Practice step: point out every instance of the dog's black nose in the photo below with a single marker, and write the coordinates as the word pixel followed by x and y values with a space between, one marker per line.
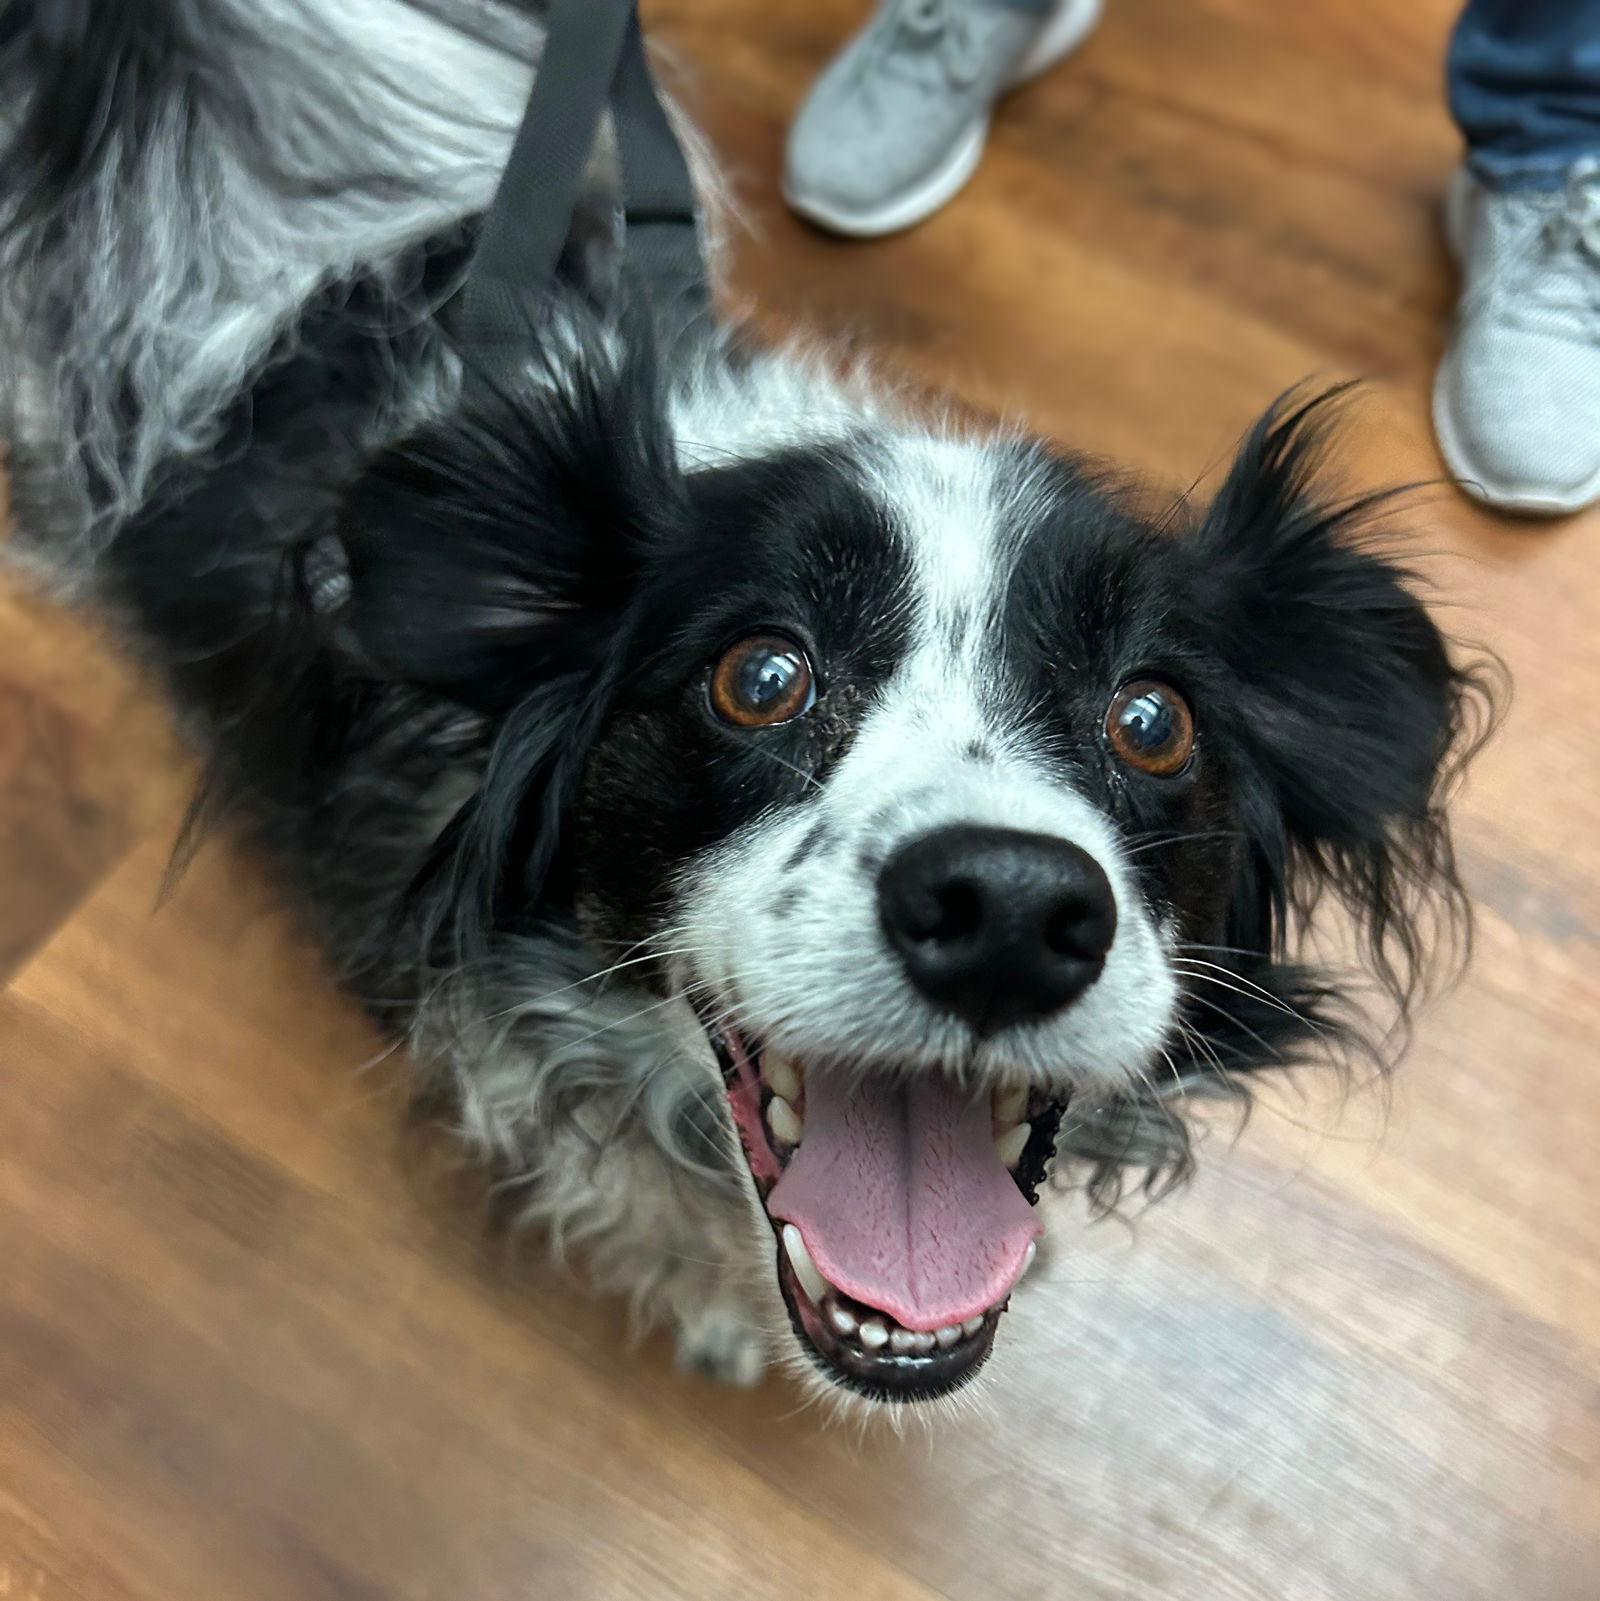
pixel 995 925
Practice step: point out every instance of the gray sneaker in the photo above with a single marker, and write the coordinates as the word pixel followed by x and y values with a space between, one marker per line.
pixel 896 124
pixel 1516 403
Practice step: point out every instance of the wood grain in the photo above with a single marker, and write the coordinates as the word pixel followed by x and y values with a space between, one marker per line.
pixel 253 1343
pixel 86 764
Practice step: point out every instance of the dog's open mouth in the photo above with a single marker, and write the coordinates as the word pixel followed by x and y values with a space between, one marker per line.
pixel 902 1207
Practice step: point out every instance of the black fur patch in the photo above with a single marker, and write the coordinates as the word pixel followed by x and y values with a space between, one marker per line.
pixel 785 903
pixel 793 543
pixel 811 842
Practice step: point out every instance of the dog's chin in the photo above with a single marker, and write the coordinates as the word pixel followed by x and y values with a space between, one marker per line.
pixel 897 1328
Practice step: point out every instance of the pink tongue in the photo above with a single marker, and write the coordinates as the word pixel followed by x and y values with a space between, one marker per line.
pixel 902 1199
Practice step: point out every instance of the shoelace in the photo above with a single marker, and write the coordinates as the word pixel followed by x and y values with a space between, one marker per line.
pixel 1556 265
pixel 942 28
pixel 1576 224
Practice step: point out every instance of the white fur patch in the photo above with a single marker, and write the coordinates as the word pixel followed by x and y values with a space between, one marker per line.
pixel 724 411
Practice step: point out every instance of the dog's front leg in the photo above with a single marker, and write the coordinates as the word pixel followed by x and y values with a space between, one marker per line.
pixel 681 1244
pixel 618 1159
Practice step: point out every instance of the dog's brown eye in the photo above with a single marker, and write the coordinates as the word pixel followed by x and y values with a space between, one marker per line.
pixel 1151 727
pixel 762 680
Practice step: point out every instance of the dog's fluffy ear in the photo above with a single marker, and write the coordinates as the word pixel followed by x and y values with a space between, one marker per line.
pixel 496 549
pixel 1343 692
pixel 492 559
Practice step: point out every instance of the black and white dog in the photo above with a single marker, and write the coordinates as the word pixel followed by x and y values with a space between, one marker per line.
pixel 780 825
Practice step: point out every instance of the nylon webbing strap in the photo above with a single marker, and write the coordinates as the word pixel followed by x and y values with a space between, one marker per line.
pixel 593 54
pixel 663 225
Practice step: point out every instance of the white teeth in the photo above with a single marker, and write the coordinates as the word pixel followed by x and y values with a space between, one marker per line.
pixel 873 1334
pixel 1011 1144
pixel 784 1121
pixel 1009 1105
pixel 1027 1261
pixel 879 1333
pixel 811 1281
pixel 779 1072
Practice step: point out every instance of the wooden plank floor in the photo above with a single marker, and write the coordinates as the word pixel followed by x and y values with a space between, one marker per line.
pixel 252 1345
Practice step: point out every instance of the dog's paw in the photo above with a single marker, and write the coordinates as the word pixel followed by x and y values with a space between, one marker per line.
pixel 721 1343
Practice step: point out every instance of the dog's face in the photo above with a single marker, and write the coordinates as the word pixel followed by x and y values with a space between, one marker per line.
pixel 951 796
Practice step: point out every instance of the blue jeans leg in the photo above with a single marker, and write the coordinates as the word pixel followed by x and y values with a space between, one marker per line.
pixel 1524 81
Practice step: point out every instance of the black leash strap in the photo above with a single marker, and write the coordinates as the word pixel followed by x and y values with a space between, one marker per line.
pixel 593 55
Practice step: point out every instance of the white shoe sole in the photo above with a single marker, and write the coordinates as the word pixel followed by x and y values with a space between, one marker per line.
pixel 1067 27
pixel 1469 478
